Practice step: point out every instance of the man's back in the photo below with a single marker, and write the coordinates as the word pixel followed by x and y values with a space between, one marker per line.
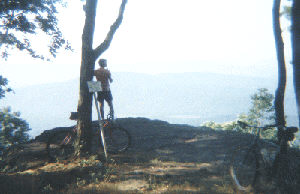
pixel 104 76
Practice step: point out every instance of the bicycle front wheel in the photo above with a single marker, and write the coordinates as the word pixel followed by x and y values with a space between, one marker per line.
pixel 244 168
pixel 60 145
pixel 117 139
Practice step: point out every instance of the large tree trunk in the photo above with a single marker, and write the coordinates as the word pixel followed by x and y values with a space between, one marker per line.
pixel 296 51
pixel 86 74
pixel 279 95
pixel 88 58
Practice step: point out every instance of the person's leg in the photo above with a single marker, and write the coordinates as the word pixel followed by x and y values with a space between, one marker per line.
pixel 109 100
pixel 111 108
pixel 100 98
pixel 102 110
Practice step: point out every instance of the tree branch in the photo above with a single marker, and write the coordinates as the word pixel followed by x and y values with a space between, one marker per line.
pixel 113 28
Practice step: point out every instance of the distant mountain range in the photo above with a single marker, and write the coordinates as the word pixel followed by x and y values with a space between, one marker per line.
pixel 186 98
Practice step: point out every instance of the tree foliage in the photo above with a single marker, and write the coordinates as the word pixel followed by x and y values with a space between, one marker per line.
pixel 22 18
pixel 261 112
pixel 4 87
pixel 287 12
pixel 13 129
pixel 21 21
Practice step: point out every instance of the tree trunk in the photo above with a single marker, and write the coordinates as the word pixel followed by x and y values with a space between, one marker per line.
pixel 86 74
pixel 296 51
pixel 279 95
pixel 88 58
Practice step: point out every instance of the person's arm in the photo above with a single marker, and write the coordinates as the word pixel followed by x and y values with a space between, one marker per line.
pixel 96 74
pixel 109 77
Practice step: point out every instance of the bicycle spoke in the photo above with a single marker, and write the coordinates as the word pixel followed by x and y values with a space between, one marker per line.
pixel 243 168
pixel 117 139
pixel 60 145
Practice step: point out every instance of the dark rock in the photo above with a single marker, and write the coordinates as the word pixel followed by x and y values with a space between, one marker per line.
pixel 43 137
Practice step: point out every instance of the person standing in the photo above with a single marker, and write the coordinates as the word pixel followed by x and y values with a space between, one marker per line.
pixel 104 76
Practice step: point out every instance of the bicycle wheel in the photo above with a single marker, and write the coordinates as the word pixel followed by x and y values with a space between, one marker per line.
pixel 60 145
pixel 117 139
pixel 244 168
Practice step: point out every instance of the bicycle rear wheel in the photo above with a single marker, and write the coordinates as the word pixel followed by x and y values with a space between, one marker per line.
pixel 60 145
pixel 244 168
pixel 117 139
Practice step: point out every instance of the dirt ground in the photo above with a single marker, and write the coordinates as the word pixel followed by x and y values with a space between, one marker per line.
pixel 163 158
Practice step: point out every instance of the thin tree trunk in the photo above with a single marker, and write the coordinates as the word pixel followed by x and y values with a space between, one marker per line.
pixel 279 95
pixel 88 58
pixel 296 51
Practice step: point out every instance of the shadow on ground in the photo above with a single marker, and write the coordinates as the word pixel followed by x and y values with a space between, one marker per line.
pixel 163 158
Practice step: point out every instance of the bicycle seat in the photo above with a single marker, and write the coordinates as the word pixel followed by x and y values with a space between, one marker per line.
pixel 290 133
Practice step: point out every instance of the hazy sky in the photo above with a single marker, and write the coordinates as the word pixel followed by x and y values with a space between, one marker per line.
pixel 158 36
pixel 162 36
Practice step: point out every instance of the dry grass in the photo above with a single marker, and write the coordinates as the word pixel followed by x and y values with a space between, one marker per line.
pixel 91 176
pixel 167 159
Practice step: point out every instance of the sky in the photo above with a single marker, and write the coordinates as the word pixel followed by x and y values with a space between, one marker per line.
pixel 169 36
pixel 163 36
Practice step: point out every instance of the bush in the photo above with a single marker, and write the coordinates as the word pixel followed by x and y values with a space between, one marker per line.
pixel 261 112
pixel 13 129
pixel 3 87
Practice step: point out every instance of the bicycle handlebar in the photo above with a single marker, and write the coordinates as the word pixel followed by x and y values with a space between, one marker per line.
pixel 288 130
pixel 244 125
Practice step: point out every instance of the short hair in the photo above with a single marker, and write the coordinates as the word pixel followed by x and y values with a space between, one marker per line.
pixel 103 62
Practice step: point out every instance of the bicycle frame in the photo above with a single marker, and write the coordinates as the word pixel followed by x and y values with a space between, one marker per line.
pixel 69 137
pixel 280 163
pixel 63 139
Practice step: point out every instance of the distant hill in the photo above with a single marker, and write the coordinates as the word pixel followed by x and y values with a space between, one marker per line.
pixel 187 98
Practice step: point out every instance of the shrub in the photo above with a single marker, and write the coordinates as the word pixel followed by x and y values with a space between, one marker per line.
pixel 261 112
pixel 13 129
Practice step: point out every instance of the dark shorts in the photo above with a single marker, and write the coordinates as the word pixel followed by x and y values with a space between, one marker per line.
pixel 104 95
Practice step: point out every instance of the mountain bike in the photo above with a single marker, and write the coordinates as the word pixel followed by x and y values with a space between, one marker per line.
pixel 249 163
pixel 61 144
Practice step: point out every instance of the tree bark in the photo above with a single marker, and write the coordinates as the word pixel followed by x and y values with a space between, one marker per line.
pixel 86 74
pixel 296 51
pixel 279 95
pixel 88 58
